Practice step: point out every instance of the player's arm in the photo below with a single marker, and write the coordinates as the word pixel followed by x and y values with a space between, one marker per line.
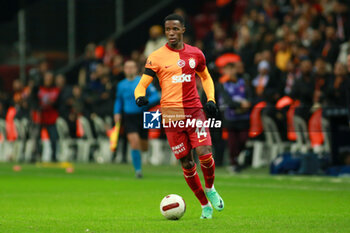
pixel 118 104
pixel 208 84
pixel 140 90
pixel 151 69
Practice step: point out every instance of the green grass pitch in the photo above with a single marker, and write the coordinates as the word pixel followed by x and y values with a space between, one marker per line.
pixel 107 198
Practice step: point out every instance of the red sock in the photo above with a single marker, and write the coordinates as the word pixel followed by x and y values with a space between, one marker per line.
pixel 192 179
pixel 208 168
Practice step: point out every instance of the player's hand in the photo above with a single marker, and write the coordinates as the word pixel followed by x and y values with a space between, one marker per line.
pixel 117 117
pixel 245 104
pixel 211 109
pixel 141 101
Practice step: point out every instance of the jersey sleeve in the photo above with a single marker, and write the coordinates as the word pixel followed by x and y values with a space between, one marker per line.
pixel 152 63
pixel 141 87
pixel 201 62
pixel 118 104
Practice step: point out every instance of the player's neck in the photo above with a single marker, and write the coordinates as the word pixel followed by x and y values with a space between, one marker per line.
pixel 130 78
pixel 178 46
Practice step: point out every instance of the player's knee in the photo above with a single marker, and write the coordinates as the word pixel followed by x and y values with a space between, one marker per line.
pixel 134 144
pixel 187 164
pixel 203 150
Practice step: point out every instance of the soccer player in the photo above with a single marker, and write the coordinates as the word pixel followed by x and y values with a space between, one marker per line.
pixel 125 103
pixel 176 64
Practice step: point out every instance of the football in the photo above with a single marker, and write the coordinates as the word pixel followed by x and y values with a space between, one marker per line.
pixel 172 207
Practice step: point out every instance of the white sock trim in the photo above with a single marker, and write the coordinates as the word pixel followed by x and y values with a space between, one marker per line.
pixel 210 189
pixel 206 205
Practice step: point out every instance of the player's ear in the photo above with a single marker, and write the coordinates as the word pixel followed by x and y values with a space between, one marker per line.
pixel 183 29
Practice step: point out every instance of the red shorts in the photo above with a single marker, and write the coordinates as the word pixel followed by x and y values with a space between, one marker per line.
pixel 182 139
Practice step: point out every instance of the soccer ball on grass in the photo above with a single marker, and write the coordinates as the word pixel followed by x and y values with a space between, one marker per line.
pixel 172 207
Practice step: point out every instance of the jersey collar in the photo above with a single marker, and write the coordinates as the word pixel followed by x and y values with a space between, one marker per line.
pixel 175 50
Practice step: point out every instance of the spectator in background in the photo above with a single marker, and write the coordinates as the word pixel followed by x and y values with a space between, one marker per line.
pixel 303 89
pixel 342 19
pixel 283 55
pixel 214 42
pixel 234 99
pixel 78 105
pixel 110 53
pixel 89 65
pixel 321 79
pixel 3 101
pixel 65 97
pixel 20 99
pixel 48 95
pixel 117 69
pixel 241 74
pixel 104 102
pixel 344 48
pixel 261 81
pixel 65 102
pixel 95 88
pixel 246 49
pixel 36 74
pixel 337 88
pixel 288 79
pixel 317 45
pixel 156 40
pixel 2 110
pixel 330 49
pixel 95 77
pixel 76 108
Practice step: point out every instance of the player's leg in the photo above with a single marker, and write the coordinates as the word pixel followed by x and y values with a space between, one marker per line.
pixel 180 145
pixel 201 141
pixel 134 141
pixel 53 134
pixel 189 168
pixel 208 168
pixel 144 144
pixel 207 165
pixel 143 133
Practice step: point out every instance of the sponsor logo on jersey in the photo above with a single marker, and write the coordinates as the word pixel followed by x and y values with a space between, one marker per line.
pixel 181 63
pixel 192 63
pixel 181 78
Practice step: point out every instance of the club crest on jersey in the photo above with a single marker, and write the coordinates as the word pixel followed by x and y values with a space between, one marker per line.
pixel 192 63
pixel 181 63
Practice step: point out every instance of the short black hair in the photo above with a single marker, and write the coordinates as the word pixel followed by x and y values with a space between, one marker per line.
pixel 175 17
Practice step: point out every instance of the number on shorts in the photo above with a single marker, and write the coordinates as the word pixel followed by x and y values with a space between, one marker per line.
pixel 201 132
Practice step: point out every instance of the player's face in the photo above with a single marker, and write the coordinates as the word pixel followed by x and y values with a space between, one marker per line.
pixel 130 69
pixel 174 31
pixel 48 79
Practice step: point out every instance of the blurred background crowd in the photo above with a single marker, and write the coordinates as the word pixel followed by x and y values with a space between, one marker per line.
pixel 284 61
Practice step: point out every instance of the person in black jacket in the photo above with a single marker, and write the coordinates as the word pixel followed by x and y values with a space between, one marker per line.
pixel 303 89
pixel 234 100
